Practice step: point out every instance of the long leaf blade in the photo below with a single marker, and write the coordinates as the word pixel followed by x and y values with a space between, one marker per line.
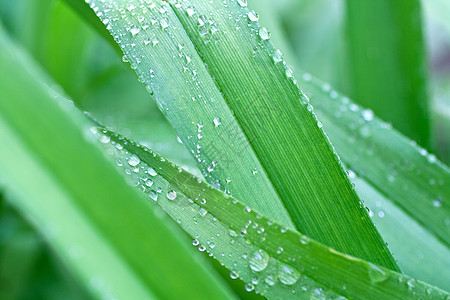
pixel 281 154
pixel 45 174
pixel 275 261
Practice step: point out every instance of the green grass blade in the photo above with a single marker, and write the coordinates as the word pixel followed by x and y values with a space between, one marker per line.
pixel 413 178
pixel 419 251
pixel 396 173
pixel 275 261
pixel 241 115
pixel 71 192
pixel 387 58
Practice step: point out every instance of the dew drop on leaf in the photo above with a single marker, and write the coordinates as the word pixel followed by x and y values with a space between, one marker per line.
pixel 277 56
pixel 164 23
pixel 134 31
pixel 249 287
pixel 287 275
pixel 242 3
pixel 133 161
pixel 259 260
pixel 367 115
pixel 253 16
pixel 151 172
pixel 233 275
pixel 376 274
pixel 270 280
pixel 217 121
pixel 172 195
pixel 190 11
pixel 264 34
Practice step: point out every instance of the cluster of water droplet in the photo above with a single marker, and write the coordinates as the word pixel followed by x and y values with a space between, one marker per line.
pixel 259 269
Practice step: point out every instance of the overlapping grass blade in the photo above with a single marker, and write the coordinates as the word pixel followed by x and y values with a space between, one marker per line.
pixel 402 183
pixel 241 114
pixel 388 63
pixel 275 261
pixel 349 127
pixel 73 195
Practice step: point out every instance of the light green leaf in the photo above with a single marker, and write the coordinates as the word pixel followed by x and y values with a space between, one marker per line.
pixel 275 261
pixel 403 184
pixel 65 186
pixel 231 99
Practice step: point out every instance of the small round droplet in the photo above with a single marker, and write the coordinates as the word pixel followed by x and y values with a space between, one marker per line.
pixel 201 21
pixel 234 275
pixel 151 172
pixel 249 287
pixel 277 56
pixel 190 11
pixel 288 275
pixel 134 31
pixel 270 280
pixel 367 115
pixel 202 212
pixel 217 121
pixel 253 16
pixel 376 274
pixel 264 34
pixel 164 23
pixel 105 139
pixel 133 161
pixel 171 195
pixel 242 3
pixel 259 260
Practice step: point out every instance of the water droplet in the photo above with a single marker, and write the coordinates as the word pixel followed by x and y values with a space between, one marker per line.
pixel 410 283
pixel 202 212
pixel 277 56
pixel 134 31
pixel 195 242
pixel 259 260
pixel 249 287
pixel 289 72
pixel 242 3
pixel 171 195
pixel 151 172
pixel 217 121
pixel 153 195
pixel 287 274
pixel 253 16
pixel 367 115
pixel 201 20
pixel 376 274
pixel 190 11
pixel 270 280
pixel 133 161
pixel 105 139
pixel 234 275
pixel 264 34
pixel 437 203
pixel 149 183
pixel 164 23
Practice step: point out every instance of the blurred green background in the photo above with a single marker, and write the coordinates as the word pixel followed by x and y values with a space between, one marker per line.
pixel 311 33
